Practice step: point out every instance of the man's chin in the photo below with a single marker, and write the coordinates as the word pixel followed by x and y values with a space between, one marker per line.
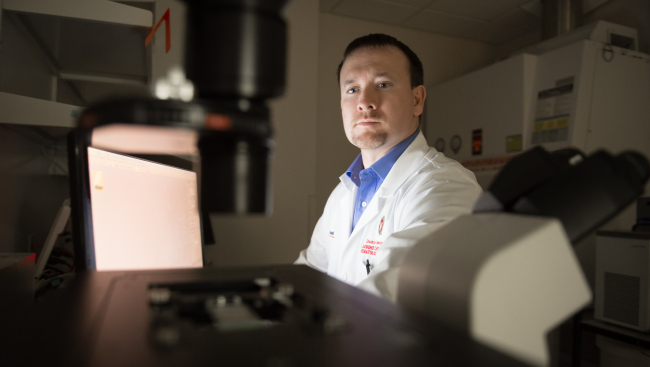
pixel 369 140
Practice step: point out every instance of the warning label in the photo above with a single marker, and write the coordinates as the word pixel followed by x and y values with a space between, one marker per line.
pixel 553 115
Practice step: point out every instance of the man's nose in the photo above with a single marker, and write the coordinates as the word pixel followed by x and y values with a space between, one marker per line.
pixel 367 100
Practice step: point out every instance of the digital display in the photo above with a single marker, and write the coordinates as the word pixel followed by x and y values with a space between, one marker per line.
pixel 144 214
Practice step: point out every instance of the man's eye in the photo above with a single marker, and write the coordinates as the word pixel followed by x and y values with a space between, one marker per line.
pixel 351 90
pixel 383 85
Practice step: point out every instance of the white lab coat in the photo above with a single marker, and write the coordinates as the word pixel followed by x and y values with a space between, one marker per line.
pixel 423 191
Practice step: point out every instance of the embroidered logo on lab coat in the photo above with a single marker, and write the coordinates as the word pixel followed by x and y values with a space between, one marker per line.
pixel 332 234
pixel 370 247
pixel 381 225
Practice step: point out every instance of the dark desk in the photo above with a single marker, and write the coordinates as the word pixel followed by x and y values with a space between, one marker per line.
pixel 105 319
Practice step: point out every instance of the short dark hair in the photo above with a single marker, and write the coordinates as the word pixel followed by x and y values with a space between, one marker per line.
pixel 378 40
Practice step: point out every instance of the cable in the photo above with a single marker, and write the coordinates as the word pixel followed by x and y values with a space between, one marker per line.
pixel 62 252
pixel 47 274
pixel 56 261
pixel 57 281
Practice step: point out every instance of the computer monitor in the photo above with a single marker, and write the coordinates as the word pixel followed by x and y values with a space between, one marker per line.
pixel 137 214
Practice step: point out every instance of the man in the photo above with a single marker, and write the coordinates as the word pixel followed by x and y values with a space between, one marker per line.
pixel 398 190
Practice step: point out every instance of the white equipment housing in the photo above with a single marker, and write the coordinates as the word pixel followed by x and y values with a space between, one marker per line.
pixel 622 274
pixel 573 91
pixel 505 279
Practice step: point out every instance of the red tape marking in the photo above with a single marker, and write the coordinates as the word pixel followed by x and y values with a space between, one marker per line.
pixel 168 37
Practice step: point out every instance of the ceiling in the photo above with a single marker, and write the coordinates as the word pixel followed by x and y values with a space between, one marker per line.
pixel 492 21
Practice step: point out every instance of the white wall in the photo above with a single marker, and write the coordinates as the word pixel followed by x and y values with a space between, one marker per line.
pixel 443 58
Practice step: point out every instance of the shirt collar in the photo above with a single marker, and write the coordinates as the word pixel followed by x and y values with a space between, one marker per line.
pixel 383 166
pixel 354 170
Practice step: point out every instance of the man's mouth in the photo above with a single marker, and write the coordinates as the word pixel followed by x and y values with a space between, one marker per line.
pixel 367 122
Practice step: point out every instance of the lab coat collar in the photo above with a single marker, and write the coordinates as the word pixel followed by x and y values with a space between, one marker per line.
pixel 405 166
pixel 347 182
pixel 407 162
pixel 355 169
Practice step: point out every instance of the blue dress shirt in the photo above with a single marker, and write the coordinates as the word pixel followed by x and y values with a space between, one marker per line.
pixel 368 180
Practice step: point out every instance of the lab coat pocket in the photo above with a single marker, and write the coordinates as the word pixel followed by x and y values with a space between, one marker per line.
pixel 374 235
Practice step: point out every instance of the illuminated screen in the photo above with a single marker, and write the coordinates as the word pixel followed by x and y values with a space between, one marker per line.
pixel 144 214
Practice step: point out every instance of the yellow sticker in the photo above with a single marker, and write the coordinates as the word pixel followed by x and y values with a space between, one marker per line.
pixel 98 180
pixel 551 124
pixel 513 143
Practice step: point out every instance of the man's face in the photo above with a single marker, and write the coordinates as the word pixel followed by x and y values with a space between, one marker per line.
pixel 379 107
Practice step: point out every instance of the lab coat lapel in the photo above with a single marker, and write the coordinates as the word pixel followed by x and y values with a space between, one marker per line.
pixel 346 206
pixel 346 210
pixel 404 166
pixel 370 212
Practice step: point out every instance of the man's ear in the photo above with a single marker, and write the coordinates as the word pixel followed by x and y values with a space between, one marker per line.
pixel 419 95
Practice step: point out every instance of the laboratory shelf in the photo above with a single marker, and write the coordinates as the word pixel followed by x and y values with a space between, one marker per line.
pixel 16 109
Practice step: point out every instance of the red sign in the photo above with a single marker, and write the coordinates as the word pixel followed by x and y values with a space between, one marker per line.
pixel 477 142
